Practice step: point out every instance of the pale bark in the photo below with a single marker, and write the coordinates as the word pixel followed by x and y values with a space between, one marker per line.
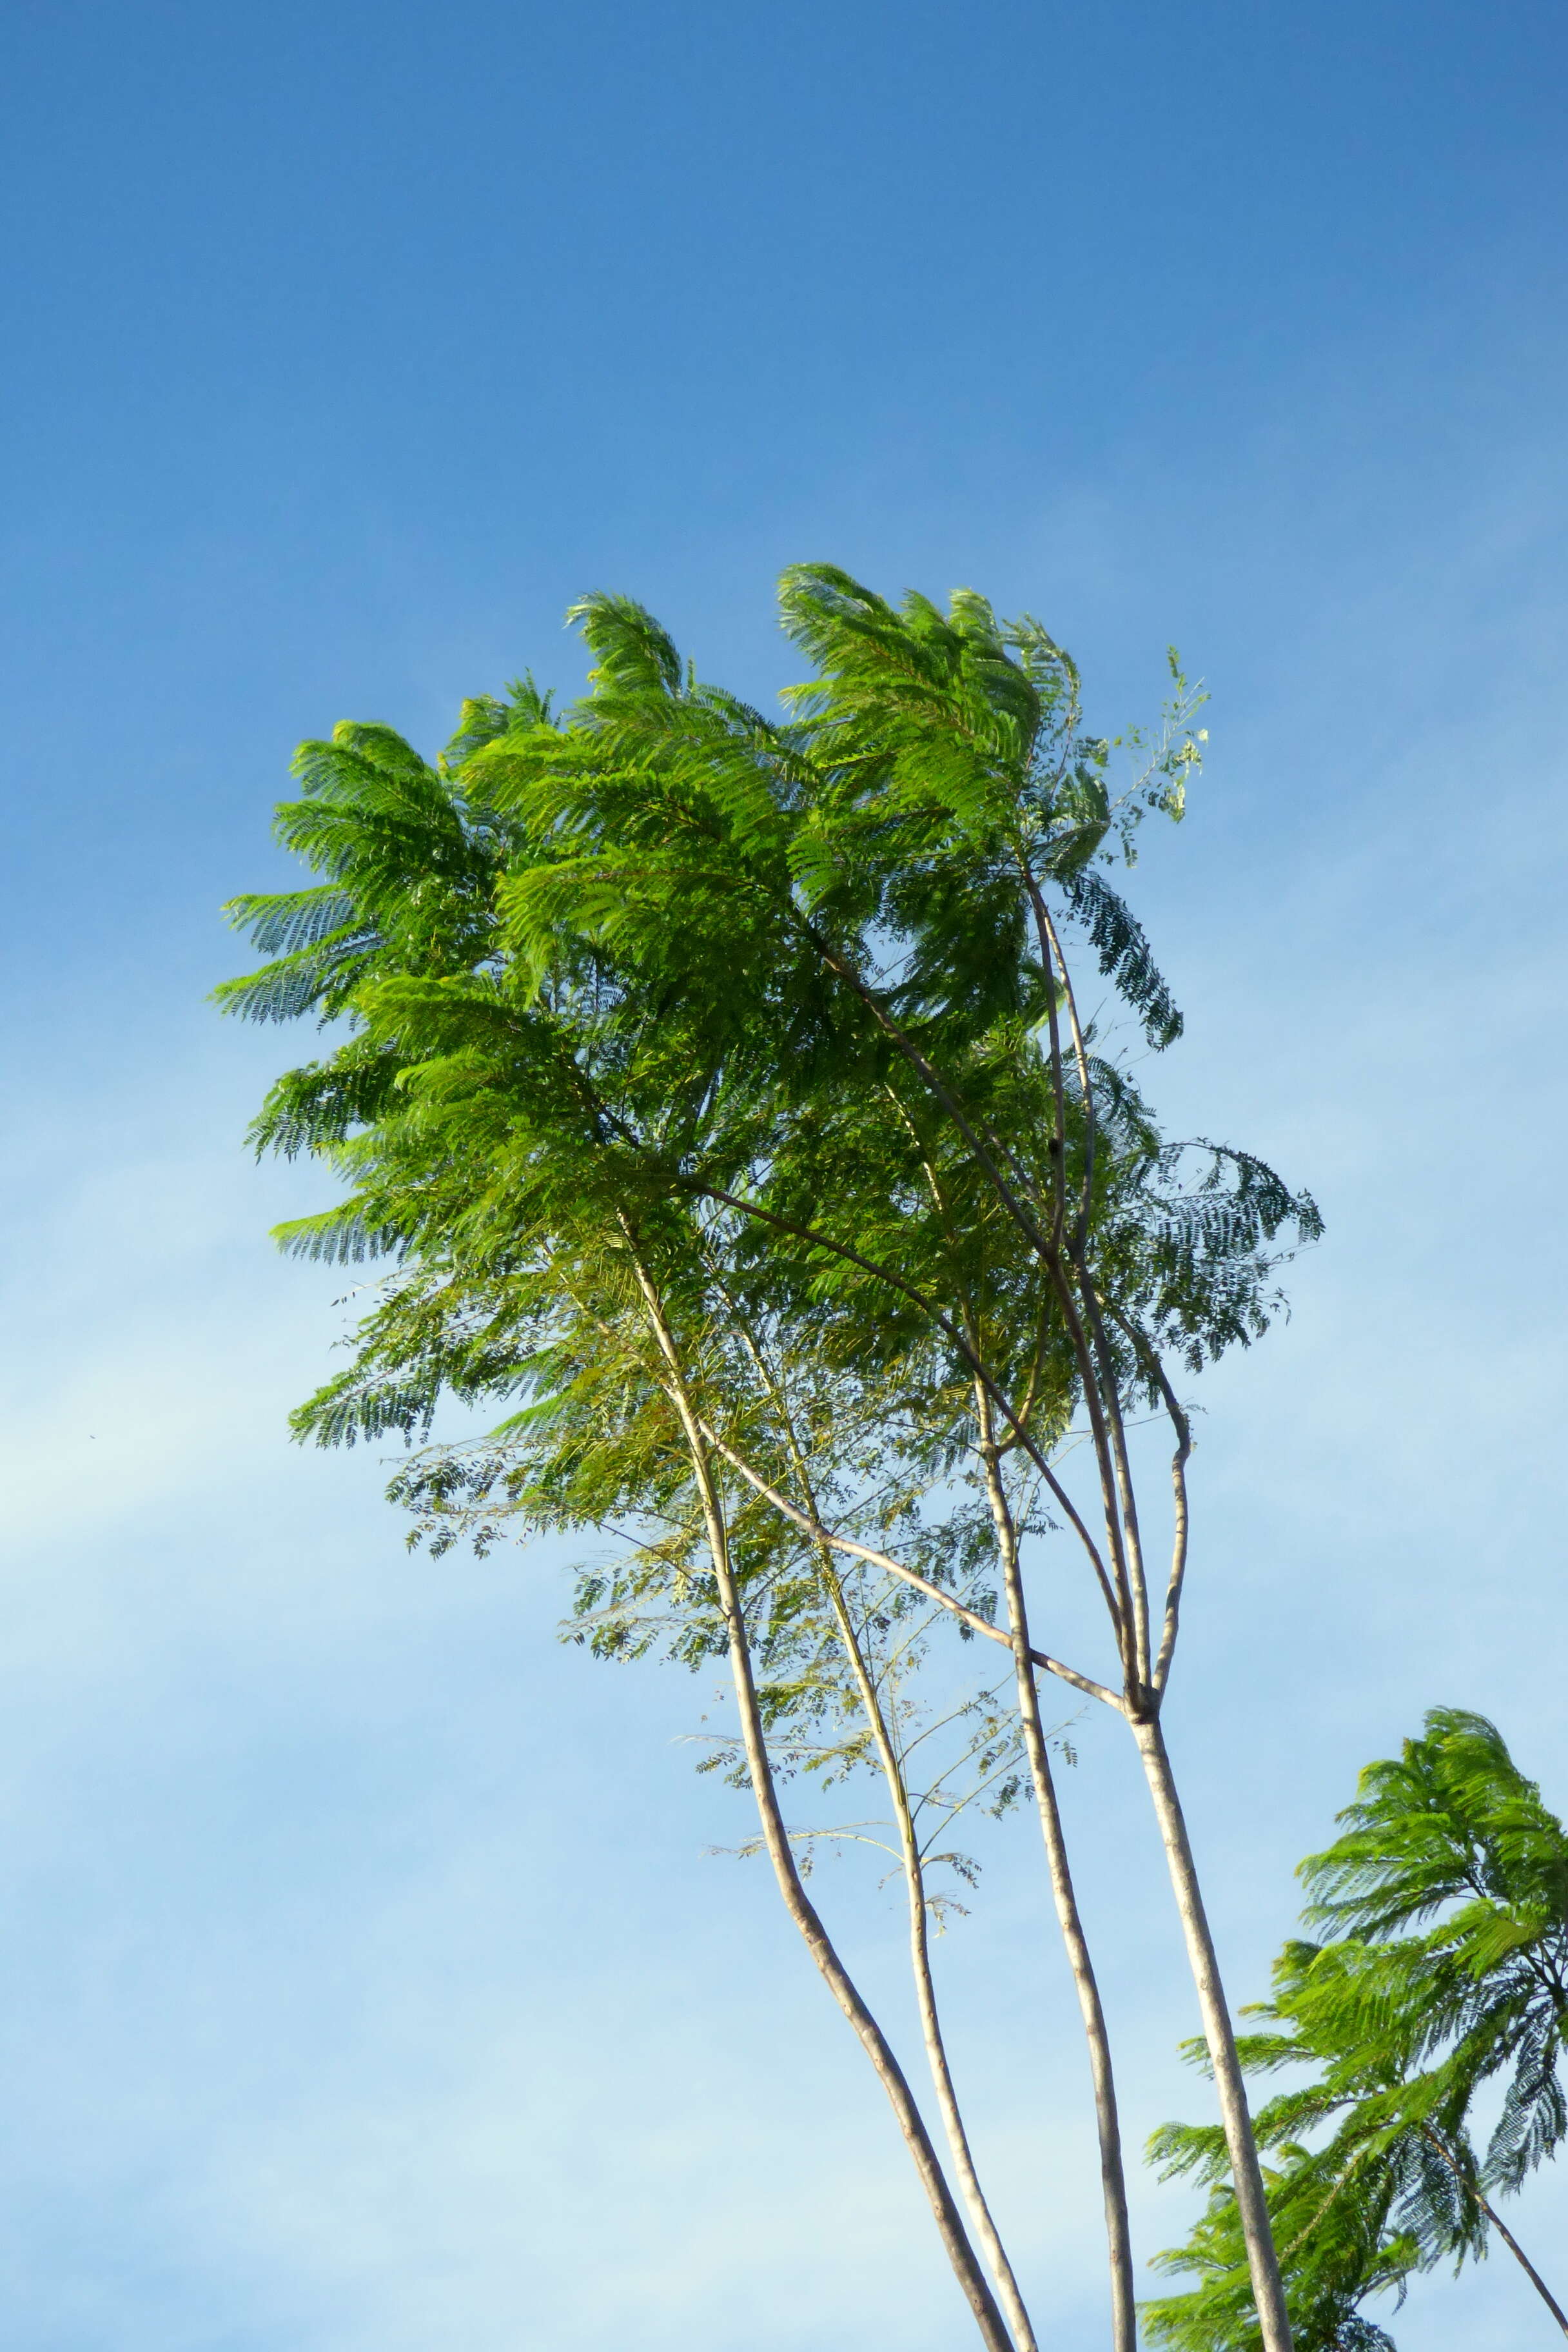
pixel 1220 2036
pixel 1109 1402
pixel 1112 2175
pixel 955 2239
pixel 1180 1512
pixel 1522 2259
pixel 980 2215
pixel 894 1777
pixel 1145 1689
pixel 813 1526
pixel 1504 2233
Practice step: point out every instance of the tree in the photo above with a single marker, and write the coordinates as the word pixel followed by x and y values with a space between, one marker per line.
pixel 1401 2033
pixel 525 1268
pixel 785 1011
pixel 861 906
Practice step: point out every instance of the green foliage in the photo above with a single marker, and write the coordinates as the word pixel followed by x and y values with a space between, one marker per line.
pixel 1398 2033
pixel 411 859
pixel 1335 2229
pixel 1454 1834
pixel 662 982
pixel 713 1088
pixel 644 981
pixel 649 957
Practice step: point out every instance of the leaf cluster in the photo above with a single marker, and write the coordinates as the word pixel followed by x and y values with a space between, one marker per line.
pixel 660 991
pixel 1449 1884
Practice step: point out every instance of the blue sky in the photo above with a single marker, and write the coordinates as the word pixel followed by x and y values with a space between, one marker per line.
pixel 365 1976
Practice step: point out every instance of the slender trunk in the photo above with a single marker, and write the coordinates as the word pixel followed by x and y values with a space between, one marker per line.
pixel 1522 2259
pixel 1142 1700
pixel 1126 1494
pixel 985 2228
pixel 775 1837
pixel 892 1768
pixel 1251 2204
pixel 955 2239
pixel 1113 2174
pixel 1504 2233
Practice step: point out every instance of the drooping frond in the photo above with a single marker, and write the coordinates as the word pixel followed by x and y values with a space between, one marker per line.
pixel 318 978
pixel 632 654
pixel 345 1235
pixel 280 922
pixel 322 1103
pixel 1125 958
pixel 355 1408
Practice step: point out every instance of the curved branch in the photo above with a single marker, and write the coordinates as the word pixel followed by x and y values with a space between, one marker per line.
pixel 944 1324
pixel 1150 1359
pixel 821 1535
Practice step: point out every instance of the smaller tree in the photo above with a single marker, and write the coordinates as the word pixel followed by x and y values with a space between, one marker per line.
pixel 1402 2031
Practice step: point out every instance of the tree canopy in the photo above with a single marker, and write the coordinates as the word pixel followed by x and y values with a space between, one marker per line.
pixel 716 1090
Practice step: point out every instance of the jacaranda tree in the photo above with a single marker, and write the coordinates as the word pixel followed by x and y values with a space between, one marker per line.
pixel 719 1086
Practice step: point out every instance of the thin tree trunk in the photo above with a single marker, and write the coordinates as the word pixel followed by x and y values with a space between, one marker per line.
pixel 1504 2233
pixel 985 2228
pixel 955 2239
pixel 891 1762
pixel 1142 1704
pixel 1522 2259
pixel 1251 2204
pixel 1112 2173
